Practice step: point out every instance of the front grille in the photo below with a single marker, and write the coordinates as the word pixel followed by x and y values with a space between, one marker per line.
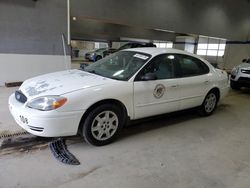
pixel 38 129
pixel 20 96
pixel 244 80
pixel 245 71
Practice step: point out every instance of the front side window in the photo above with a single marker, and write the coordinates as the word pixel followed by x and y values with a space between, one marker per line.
pixel 120 66
pixel 162 66
pixel 191 66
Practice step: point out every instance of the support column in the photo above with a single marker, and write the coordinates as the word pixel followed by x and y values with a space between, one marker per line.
pixel 186 43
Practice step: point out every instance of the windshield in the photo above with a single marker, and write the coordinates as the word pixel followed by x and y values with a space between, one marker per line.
pixel 120 66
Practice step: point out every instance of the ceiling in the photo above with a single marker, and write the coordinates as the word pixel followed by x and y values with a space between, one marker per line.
pixel 113 19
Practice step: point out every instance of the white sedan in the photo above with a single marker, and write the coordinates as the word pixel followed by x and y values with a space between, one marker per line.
pixel 130 84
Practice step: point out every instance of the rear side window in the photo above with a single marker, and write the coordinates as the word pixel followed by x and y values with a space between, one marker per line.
pixel 191 66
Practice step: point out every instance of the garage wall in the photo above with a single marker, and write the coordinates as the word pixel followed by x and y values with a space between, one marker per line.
pixel 31 38
pixel 235 52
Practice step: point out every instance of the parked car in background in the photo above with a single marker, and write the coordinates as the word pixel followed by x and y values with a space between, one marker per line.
pixel 127 85
pixel 130 45
pixel 96 55
pixel 240 75
pixel 109 51
pixel 136 45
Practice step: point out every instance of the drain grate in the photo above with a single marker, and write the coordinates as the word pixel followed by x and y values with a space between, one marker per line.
pixel 6 134
pixel 11 142
pixel 61 153
pixel 22 144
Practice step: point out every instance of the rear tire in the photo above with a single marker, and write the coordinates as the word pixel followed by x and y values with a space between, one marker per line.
pixel 209 104
pixel 103 124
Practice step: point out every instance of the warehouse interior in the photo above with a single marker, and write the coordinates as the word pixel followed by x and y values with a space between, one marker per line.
pixel 179 149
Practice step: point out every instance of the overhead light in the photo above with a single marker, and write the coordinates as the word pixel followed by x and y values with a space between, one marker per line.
pixel 170 57
pixel 74 18
pixel 164 30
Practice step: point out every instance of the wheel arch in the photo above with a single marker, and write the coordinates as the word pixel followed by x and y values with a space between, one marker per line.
pixel 216 90
pixel 99 56
pixel 93 106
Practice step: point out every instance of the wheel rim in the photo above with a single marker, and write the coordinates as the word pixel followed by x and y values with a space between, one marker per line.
pixel 104 125
pixel 210 102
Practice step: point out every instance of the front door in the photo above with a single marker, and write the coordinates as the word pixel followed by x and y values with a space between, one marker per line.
pixel 159 95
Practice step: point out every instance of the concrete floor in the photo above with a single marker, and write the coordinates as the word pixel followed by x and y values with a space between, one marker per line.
pixel 180 150
pixel 7 123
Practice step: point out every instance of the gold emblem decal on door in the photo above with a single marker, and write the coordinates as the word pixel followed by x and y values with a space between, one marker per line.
pixel 159 91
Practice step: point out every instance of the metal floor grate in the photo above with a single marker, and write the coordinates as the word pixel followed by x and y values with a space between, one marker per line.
pixel 8 134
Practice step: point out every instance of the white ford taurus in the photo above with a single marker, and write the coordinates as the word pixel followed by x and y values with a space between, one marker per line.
pixel 130 84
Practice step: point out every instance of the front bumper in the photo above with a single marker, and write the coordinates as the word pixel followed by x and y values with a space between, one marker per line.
pixel 45 123
pixel 92 57
pixel 87 56
pixel 243 81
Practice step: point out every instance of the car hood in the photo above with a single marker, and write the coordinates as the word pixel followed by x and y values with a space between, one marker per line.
pixel 59 83
pixel 244 65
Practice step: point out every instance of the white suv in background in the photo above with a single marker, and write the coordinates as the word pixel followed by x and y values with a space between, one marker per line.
pixel 240 75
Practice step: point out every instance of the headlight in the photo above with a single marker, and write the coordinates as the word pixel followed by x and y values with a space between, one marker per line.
pixel 47 103
pixel 92 54
pixel 235 71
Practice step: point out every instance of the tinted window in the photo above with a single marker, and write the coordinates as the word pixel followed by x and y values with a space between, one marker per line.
pixel 162 66
pixel 190 66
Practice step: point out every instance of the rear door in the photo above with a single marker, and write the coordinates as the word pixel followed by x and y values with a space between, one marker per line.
pixel 194 81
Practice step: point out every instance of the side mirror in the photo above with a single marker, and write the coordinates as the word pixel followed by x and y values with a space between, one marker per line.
pixel 244 60
pixel 149 76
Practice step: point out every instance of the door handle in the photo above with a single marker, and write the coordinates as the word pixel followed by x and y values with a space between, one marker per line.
pixel 174 86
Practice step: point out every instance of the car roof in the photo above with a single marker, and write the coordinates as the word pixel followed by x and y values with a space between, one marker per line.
pixel 137 42
pixel 157 51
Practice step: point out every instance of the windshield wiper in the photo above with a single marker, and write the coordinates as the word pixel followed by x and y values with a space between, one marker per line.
pixel 90 71
pixel 93 72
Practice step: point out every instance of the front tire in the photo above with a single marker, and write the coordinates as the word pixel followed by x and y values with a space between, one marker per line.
pixel 209 104
pixel 102 124
pixel 234 85
pixel 98 58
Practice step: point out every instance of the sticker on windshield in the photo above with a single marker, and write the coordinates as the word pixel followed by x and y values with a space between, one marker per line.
pixel 144 57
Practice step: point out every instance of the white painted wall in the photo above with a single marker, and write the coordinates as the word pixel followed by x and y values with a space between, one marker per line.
pixel 19 67
pixel 234 53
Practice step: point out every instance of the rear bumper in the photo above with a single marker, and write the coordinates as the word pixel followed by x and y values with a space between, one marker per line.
pixel 224 91
pixel 45 123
